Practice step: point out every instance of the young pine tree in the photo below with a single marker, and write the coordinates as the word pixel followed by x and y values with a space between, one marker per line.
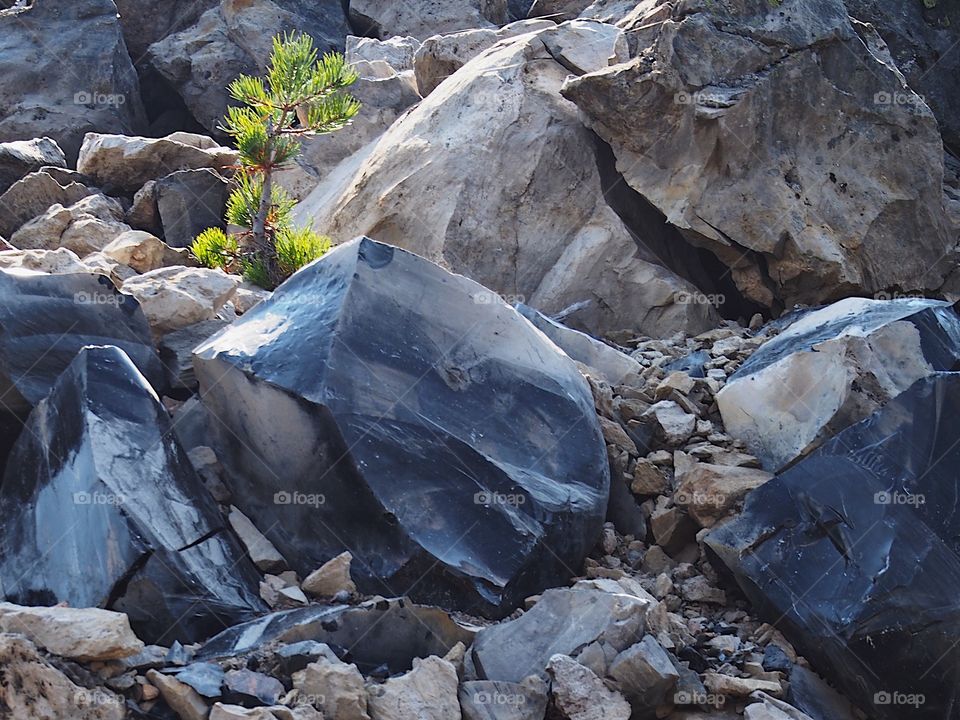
pixel 300 95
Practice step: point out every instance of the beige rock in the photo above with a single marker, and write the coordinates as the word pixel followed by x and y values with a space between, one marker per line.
pixel 33 690
pixel 77 633
pixel 423 18
pixel 398 52
pixel 709 492
pixel 128 162
pixel 84 227
pixel 331 578
pixel 261 551
pixel 55 262
pixel 333 687
pixel 175 297
pixel 427 692
pixel 248 296
pixel 579 694
pixel 516 197
pixel 182 699
pixel 739 687
pixel 648 479
pixel 31 196
pixel 143 252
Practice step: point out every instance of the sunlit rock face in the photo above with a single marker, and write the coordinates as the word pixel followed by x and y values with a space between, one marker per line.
pixel 101 508
pixel 381 404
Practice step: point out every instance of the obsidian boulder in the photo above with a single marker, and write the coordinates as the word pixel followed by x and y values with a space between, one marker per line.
pixel 854 553
pixel 101 508
pixel 380 404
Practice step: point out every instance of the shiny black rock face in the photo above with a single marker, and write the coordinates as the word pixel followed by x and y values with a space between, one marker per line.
pixel 381 404
pixel 101 508
pixel 45 320
pixel 855 553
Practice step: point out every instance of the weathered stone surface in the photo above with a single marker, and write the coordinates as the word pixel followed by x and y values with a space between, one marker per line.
pixel 331 578
pixel 189 202
pixel 175 297
pixel 708 492
pixel 398 52
pixel 557 10
pixel 261 551
pixel 31 688
pixel 525 489
pixel 644 674
pixel 22 157
pixel 427 692
pixel 496 700
pixel 77 633
pixel 712 125
pixel 85 227
pixel 516 201
pixel 98 458
pixel 563 621
pixel 55 262
pixel 31 196
pixel 235 37
pixel 126 163
pixel 247 687
pixel 41 97
pixel 180 697
pixel 831 368
pixel 423 18
pixel 860 537
pixel 671 423
pixel 337 688
pixel 440 56
pixel 142 25
pixel 143 252
pixel 578 694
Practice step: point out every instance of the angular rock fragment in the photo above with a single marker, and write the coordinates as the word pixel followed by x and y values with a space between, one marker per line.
pixel 97 473
pixel 832 367
pixel 190 201
pixel 32 195
pixel 177 297
pixel 853 552
pixel 457 455
pixel 26 156
pixel 337 688
pixel 427 692
pixel 578 694
pixel 332 578
pixel 85 227
pixel 423 18
pixel 496 700
pixel 78 633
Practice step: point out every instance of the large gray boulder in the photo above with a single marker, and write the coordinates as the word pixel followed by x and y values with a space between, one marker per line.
pixel 422 18
pixel 234 37
pixel 494 176
pixel 760 130
pixel 456 454
pixel 26 156
pixel 832 367
pixel 64 71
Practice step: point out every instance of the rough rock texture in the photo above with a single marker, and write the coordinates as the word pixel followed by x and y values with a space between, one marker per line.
pixel 422 18
pixel 427 692
pixel 64 71
pixel 126 163
pixel 853 552
pixel 492 700
pixel 337 686
pixel 563 621
pixel 423 427
pixel 712 125
pixel 97 468
pixel 77 633
pixel 398 52
pixel 516 197
pixel 175 297
pixel 235 37
pixel 831 368
pixel 440 56
pixel 142 25
pixel 32 688
pixel 143 252
pixel 89 225
pixel 31 196
pixel 578 694
pixel 55 262
pixel 331 578
pixel 189 202
pixel 26 156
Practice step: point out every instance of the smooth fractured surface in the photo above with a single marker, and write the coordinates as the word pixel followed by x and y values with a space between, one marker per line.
pixel 102 508
pixel 854 553
pixel 379 404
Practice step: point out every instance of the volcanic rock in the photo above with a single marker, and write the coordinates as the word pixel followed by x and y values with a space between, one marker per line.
pixel 419 457
pixel 189 202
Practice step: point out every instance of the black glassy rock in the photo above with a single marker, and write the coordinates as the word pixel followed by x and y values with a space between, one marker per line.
pixel 101 508
pixel 381 404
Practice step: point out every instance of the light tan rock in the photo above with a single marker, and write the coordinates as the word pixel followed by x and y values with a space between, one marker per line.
pixel 175 297
pixel 333 687
pixel 55 262
pixel 709 492
pixel 580 695
pixel 739 687
pixel 31 196
pixel 427 692
pixel 143 252
pixel 261 551
pixel 331 578
pixel 186 702
pixel 84 227
pixel 76 633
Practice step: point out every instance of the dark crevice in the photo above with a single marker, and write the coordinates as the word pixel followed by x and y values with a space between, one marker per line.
pixel 202 539
pixel 166 111
pixel 652 232
pixel 119 588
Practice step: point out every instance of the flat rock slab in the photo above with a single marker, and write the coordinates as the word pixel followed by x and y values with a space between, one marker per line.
pixel 379 402
pixel 98 477
pixel 854 553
